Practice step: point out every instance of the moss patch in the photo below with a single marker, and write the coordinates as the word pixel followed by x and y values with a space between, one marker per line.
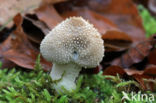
pixel 18 86
pixel 149 22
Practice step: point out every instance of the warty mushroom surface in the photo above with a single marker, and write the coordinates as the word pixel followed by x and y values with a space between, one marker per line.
pixel 71 45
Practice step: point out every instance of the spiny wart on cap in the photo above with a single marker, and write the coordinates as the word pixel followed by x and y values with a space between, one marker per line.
pixel 74 41
pixel 71 41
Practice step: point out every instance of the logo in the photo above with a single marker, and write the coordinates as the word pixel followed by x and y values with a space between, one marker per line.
pixel 142 97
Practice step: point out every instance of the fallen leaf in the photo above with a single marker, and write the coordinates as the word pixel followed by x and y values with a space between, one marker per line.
pixel 100 22
pixel 129 73
pixel 150 71
pixel 3 48
pixel 34 30
pixel 123 13
pixel 139 76
pixel 115 40
pixel 46 2
pixel 135 54
pixel 114 70
pixel 48 15
pixel 152 57
pixel 9 8
pixel 21 51
pixel 134 71
pixel 38 24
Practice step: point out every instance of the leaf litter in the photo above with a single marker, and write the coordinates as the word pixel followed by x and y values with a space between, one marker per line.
pixel 118 21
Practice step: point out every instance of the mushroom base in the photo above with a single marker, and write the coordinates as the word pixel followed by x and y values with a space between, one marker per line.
pixel 66 75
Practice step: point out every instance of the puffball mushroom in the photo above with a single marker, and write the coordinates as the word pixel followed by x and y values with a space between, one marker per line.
pixel 71 45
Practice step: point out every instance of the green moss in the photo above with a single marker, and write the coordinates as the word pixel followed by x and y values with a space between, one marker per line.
pixel 149 22
pixel 18 86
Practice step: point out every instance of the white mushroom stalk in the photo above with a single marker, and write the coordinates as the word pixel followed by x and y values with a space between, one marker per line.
pixel 71 45
pixel 69 73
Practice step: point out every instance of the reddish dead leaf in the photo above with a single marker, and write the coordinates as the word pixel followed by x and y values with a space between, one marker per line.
pixel 3 48
pixel 100 22
pixel 147 77
pixel 148 73
pixel 38 24
pixel 123 13
pixel 115 40
pixel 52 1
pixel 135 74
pixel 22 52
pixel 134 71
pixel 34 30
pixel 136 53
pixel 114 70
pixel 48 15
pixel 140 80
pixel 152 57
pixel 115 7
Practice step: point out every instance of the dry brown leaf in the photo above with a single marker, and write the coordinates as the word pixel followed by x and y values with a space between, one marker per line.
pixel 9 8
pixel 150 71
pixel 114 70
pixel 41 25
pixel 152 57
pixel 114 17
pixel 115 40
pixel 48 15
pixel 35 30
pixel 21 51
pixel 124 14
pixel 3 48
pixel 139 76
pixel 100 22
pixel 136 53
pixel 52 1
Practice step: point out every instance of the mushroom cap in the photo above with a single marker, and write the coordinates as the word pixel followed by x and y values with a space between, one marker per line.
pixel 74 40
